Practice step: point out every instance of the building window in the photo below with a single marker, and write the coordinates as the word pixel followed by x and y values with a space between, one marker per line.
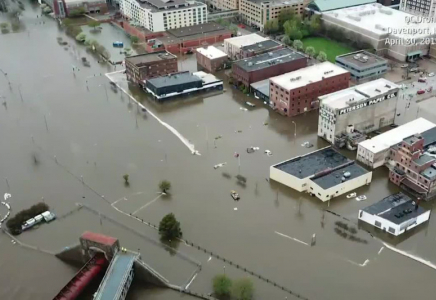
pixel 377 223
pixel 391 230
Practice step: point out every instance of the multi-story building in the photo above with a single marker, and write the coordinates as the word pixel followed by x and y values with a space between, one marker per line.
pixel 258 12
pixel 145 66
pixel 297 92
pixel 211 58
pixel 232 46
pixel 223 5
pixel 161 15
pixel 65 8
pixel 425 8
pixel 260 67
pixel 259 48
pixel 363 108
pixel 363 65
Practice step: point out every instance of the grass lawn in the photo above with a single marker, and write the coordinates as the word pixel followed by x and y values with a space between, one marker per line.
pixel 331 48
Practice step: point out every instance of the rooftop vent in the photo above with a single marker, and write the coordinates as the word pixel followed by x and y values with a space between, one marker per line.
pixel 347 174
pixel 260 45
pixel 377 90
pixel 250 64
pixel 270 53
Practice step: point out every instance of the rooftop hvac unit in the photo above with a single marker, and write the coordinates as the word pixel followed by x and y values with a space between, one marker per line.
pixel 347 174
pixel 270 53
pixel 260 45
pixel 365 57
pixel 298 77
pixel 380 27
pixel 250 64
pixel 377 90
pixel 388 86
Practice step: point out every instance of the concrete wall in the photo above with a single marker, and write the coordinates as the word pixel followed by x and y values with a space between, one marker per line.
pixel 72 254
pixel 147 274
pixel 288 180
pixel 372 159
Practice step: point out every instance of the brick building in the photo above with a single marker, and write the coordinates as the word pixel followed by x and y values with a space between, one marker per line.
pixel 63 8
pixel 260 67
pixel 211 58
pixel 259 48
pixel 144 66
pixel 411 166
pixel 297 92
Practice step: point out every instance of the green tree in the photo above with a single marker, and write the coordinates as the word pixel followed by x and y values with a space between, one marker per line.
pixel 169 227
pixel 286 40
pixel 297 44
pixel 285 15
pixel 222 285
pixel 243 289
pixel 322 56
pixel 134 39
pixel 81 37
pixel 271 26
pixel 77 12
pixel 46 10
pixel 67 22
pixel 310 51
pixel 164 186
pixel 4 25
pixel 94 24
pixel 293 30
pixel 126 178
pixel 315 24
pixel 234 29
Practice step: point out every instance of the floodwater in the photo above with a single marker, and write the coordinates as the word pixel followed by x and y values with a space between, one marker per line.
pixel 68 138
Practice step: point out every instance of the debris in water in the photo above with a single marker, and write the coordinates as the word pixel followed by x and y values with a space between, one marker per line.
pixel 243 108
pixel 361 198
pixel 238 131
pixel 267 152
pixel 219 165
pixel 307 144
pixel 352 195
pixel 235 208
pixel 265 123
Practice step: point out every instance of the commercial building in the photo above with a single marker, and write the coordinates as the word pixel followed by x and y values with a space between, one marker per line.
pixel 297 92
pixel 258 12
pixel 363 65
pixel 359 109
pixel 63 8
pixel 223 5
pixel 328 5
pixel 145 66
pixel 211 58
pixel 375 152
pixel 260 90
pixel 393 3
pixel 161 15
pixel 259 48
pixel 391 32
pixel 181 83
pixel 425 8
pixel 395 214
pixel 412 167
pixel 232 46
pixel 324 173
pixel 260 67
pixel 186 39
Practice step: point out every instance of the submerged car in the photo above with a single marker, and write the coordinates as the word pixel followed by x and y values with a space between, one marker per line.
pixel 420 92
pixel 234 195
pixel 250 104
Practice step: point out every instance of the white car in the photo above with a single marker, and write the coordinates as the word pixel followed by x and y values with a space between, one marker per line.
pixel 361 198
pixel 219 165
pixel 430 74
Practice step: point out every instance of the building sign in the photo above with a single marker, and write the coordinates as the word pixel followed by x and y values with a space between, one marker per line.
pixel 367 103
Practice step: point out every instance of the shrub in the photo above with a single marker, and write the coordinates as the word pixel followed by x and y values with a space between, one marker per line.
pixel 14 223
pixel 169 227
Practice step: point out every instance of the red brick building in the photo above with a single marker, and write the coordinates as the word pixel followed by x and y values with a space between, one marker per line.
pixel 65 8
pixel 260 67
pixel 211 58
pixel 259 48
pixel 297 92
pixel 144 66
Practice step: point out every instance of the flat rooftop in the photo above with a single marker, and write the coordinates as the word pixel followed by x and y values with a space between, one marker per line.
pixel 206 77
pixel 361 59
pixel 429 173
pixel 245 40
pixel 261 46
pixel 112 284
pixel 150 57
pixel 326 5
pixel 173 79
pixel 381 20
pixel 277 2
pixel 397 208
pixel 313 163
pixel 429 136
pixel 211 52
pixel 195 29
pixel 99 238
pixel 357 94
pixel 261 86
pixel 394 136
pixel 308 75
pixel 268 59
pixel 337 177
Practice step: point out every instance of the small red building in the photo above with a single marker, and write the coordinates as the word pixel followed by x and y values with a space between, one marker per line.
pixel 211 58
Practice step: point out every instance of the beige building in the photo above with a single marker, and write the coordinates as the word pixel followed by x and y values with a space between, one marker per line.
pixel 223 4
pixel 232 46
pixel 258 12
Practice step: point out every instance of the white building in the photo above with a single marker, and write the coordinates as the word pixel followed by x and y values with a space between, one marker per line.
pixel 391 32
pixel 375 152
pixel 232 46
pixel 365 107
pixel 161 15
pixel 324 173
pixel 425 8
pixel 395 214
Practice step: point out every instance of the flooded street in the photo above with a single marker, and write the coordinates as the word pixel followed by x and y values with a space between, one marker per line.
pixel 68 138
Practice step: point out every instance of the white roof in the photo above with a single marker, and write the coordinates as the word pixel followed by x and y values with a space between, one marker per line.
pixel 307 75
pixel 211 52
pixel 245 40
pixel 206 77
pixel 392 137
pixel 341 99
pixel 380 19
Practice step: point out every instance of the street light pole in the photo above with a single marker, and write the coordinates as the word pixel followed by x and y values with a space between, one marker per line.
pixel 295 129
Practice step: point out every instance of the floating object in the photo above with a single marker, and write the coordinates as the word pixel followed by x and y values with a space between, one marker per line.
pixel 235 208
pixel 267 152
pixel 219 165
pixel 235 195
pixel 243 108
pixel 118 44
pixel 250 104
pixel 352 195
pixel 361 198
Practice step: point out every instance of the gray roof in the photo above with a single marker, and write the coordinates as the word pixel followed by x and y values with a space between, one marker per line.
pixel 396 208
pixel 261 46
pixel 173 79
pixel 372 59
pixel 429 137
pixel 326 5
pixel 150 57
pixel 313 163
pixel 429 173
pixel 411 140
pixel 423 159
pixel 159 4
pixel 336 177
pixel 261 86
pixel 266 60
pixel 195 29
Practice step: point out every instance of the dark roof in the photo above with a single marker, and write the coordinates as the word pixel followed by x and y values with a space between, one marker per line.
pixel 411 140
pixel 261 46
pixel 262 87
pixel 313 163
pixel 162 4
pixel 173 79
pixel 336 177
pixel 423 159
pixel 266 60
pixel 371 61
pixel 429 173
pixel 429 137
pixel 393 207
pixel 195 29
pixel 149 57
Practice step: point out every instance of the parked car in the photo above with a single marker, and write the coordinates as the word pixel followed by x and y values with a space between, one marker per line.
pixel 422 79
pixel 420 92
pixel 430 74
pixel 404 66
pixel 234 195
pixel 414 70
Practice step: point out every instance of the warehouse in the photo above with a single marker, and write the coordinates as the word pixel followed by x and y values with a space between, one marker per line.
pixel 363 108
pixel 232 46
pixel 324 173
pixel 211 58
pixel 385 29
pixel 181 83
pixel 375 152
pixel 259 48
pixel 395 214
